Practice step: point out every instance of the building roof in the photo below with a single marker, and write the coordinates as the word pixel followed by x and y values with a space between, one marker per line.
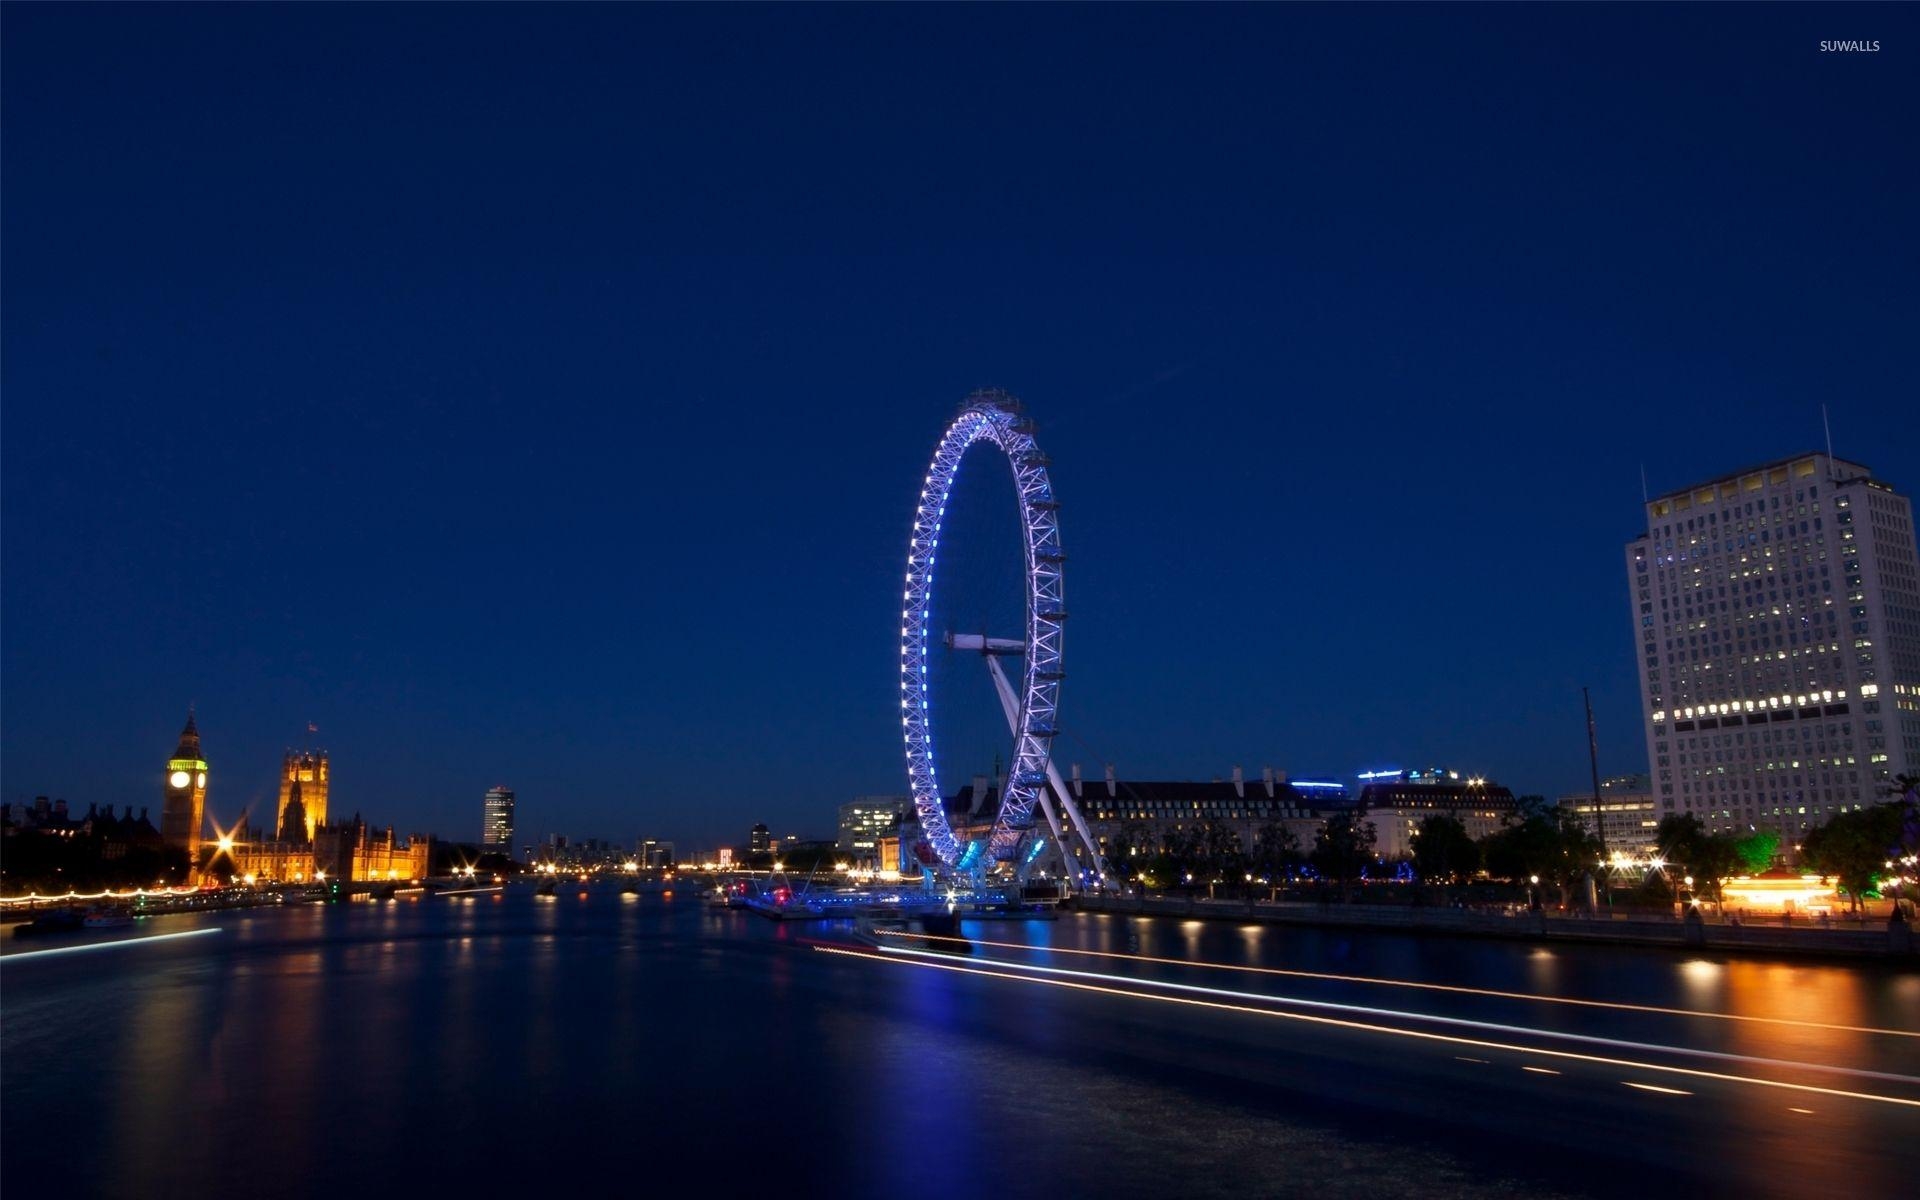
pixel 1451 793
pixel 1843 469
pixel 189 740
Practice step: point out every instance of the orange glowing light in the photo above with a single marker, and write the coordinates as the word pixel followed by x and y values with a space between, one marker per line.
pixel 1403 983
pixel 1368 1027
pixel 1794 894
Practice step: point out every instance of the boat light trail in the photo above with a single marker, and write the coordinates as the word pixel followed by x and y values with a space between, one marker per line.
pixel 1402 983
pixel 1367 1027
pixel 1432 1018
pixel 113 945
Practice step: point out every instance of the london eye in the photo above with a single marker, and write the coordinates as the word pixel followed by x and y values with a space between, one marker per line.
pixel 1032 705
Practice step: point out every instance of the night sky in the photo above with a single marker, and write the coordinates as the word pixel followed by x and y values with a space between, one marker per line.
pixel 539 395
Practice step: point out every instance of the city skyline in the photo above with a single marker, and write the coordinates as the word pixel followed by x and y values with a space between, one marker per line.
pixel 1355 459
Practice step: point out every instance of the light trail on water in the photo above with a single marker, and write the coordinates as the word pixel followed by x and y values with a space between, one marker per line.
pixel 895 959
pixel 1404 983
pixel 1431 1018
pixel 113 945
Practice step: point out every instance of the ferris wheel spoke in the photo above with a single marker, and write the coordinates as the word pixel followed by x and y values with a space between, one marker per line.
pixel 994 417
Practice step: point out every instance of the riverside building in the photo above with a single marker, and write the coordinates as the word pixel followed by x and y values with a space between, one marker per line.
pixel 305 777
pixel 1777 615
pixel 496 821
pixel 1136 817
pixel 1629 813
pixel 864 820
pixel 1396 806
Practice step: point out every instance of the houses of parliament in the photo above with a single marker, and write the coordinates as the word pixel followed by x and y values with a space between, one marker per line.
pixel 302 846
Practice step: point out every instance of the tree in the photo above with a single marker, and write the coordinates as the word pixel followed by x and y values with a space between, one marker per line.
pixel 1711 858
pixel 1529 846
pixel 1443 851
pixel 1220 856
pixel 1854 847
pixel 1756 850
pixel 1179 857
pixel 1276 851
pixel 1131 851
pixel 1577 849
pixel 1541 840
pixel 1677 835
pixel 1342 848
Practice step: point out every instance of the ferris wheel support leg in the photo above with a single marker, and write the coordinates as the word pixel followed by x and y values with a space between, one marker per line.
pixel 1053 822
pixel 1094 857
pixel 1011 707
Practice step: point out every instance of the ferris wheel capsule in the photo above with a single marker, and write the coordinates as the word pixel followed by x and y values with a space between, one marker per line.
pixel 999 418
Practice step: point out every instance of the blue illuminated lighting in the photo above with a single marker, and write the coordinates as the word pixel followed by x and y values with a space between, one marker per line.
pixel 991 417
pixel 1389 773
pixel 1318 785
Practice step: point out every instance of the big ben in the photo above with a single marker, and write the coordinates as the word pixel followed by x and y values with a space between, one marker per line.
pixel 186 801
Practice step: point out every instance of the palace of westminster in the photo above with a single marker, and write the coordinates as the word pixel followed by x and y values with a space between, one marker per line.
pixel 302 845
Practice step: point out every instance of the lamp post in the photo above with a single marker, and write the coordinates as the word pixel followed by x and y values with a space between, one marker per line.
pixel 1593 762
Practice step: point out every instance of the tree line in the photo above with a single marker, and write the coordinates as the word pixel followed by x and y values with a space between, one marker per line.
pixel 1540 842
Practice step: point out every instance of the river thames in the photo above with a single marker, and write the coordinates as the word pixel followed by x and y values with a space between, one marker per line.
pixel 594 1038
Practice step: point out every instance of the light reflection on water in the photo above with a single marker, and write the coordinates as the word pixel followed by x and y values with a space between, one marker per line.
pixel 329 1039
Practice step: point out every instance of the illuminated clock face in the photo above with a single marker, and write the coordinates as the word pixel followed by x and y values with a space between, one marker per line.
pixel 179 779
pixel 200 780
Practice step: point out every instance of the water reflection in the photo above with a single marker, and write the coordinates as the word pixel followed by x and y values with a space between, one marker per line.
pixel 672 1033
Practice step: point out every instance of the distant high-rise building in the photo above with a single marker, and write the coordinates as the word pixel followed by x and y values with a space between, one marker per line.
pixel 185 807
pixel 303 774
pixel 865 819
pixel 760 839
pixel 496 827
pixel 1777 616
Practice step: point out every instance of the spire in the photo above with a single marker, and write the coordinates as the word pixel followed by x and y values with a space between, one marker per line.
pixel 293 819
pixel 189 739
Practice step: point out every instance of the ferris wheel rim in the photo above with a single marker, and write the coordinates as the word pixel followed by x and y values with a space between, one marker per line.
pixel 996 417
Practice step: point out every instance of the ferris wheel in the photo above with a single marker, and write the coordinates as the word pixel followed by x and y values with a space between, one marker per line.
pixel 1032 707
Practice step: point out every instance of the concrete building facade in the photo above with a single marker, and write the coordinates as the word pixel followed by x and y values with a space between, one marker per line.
pixel 1776 613
pixel 1629 814
pixel 864 820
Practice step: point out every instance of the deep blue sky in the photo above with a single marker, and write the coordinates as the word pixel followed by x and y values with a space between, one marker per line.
pixel 539 395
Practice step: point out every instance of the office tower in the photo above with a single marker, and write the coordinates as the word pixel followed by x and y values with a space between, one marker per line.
pixel 496 827
pixel 864 819
pixel 1777 618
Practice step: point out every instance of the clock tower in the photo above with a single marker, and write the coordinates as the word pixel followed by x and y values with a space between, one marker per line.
pixel 186 798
